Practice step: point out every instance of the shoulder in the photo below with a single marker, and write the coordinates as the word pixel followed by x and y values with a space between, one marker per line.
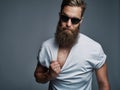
pixel 89 44
pixel 93 51
pixel 49 43
pixel 87 41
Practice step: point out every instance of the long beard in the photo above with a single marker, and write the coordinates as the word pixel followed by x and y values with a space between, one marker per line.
pixel 65 37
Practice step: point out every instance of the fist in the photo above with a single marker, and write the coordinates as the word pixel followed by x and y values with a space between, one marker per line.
pixel 54 69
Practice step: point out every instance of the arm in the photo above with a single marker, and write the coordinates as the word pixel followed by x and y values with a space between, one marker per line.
pixel 102 78
pixel 43 74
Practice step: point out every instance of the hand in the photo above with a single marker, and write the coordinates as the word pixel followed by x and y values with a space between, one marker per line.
pixel 54 69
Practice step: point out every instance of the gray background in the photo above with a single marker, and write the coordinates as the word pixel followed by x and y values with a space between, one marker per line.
pixel 25 24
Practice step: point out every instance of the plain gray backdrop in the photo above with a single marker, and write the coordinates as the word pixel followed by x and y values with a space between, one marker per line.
pixel 25 24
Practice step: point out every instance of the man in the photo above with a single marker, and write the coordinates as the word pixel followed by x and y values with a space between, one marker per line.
pixel 69 59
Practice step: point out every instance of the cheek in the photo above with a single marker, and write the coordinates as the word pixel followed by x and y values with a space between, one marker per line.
pixel 76 26
pixel 63 24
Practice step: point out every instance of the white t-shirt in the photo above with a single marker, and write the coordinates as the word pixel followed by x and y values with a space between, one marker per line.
pixel 76 74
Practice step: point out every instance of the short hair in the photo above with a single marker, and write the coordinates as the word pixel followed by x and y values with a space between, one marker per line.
pixel 78 3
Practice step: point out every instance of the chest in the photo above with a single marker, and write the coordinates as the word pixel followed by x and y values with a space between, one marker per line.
pixel 62 56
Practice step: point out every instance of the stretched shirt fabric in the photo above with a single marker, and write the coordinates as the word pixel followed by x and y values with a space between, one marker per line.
pixel 76 74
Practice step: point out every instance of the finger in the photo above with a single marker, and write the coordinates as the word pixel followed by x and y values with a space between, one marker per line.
pixel 54 62
pixel 55 66
pixel 57 70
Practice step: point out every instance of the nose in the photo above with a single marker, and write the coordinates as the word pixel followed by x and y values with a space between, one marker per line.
pixel 69 23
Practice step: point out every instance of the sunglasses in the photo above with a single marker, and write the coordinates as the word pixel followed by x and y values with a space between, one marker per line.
pixel 74 20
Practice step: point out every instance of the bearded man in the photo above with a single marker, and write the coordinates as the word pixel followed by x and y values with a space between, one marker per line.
pixel 69 59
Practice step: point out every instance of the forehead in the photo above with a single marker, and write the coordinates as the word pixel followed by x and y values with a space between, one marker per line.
pixel 72 11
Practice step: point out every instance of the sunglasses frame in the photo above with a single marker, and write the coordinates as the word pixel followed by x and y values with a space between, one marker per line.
pixel 65 18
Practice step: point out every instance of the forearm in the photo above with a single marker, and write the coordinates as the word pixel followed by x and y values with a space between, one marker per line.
pixel 102 78
pixel 104 86
pixel 43 77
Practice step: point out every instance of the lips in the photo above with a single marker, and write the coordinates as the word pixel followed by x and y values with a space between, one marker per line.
pixel 67 29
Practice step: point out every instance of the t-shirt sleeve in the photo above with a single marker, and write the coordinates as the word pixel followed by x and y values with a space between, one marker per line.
pixel 43 56
pixel 99 58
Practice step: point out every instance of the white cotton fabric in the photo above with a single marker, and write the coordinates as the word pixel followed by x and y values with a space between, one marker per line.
pixel 76 74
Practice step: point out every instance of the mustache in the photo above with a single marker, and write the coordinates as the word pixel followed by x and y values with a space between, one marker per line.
pixel 66 28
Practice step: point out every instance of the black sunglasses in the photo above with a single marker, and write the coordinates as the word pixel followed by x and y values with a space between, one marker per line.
pixel 74 20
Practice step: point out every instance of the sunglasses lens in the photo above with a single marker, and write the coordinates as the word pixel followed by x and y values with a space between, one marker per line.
pixel 75 20
pixel 65 18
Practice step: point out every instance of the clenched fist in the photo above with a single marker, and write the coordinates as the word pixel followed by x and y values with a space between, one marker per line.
pixel 54 69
